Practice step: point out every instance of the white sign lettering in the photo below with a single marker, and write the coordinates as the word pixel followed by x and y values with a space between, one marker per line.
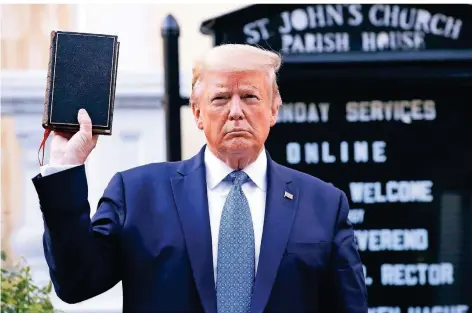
pixel 293 152
pixel 392 239
pixel 368 280
pixel 301 30
pixel 385 309
pixel 256 31
pixel 385 15
pixel 300 112
pixel 417 274
pixel 319 16
pixel 460 308
pixel 315 43
pixel 404 111
pixel 392 40
pixel 356 216
pixel 315 153
pixel 391 192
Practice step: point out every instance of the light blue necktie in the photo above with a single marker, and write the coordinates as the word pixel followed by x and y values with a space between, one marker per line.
pixel 235 265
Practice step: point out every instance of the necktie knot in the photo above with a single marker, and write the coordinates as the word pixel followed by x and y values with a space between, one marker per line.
pixel 238 177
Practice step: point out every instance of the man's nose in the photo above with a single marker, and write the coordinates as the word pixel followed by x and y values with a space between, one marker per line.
pixel 236 112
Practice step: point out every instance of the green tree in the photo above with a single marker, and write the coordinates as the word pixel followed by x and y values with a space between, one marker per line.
pixel 20 294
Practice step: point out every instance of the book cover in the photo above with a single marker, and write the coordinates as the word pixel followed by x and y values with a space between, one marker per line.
pixel 82 73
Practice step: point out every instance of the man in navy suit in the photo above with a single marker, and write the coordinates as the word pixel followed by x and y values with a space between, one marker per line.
pixel 226 231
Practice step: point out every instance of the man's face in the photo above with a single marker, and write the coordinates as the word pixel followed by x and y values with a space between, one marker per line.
pixel 236 111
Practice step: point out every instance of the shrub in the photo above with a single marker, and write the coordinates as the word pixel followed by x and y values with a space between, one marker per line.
pixel 20 294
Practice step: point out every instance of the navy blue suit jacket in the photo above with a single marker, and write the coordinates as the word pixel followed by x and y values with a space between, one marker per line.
pixel 151 231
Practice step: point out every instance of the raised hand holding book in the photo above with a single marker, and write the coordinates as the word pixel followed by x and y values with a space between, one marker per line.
pixel 82 74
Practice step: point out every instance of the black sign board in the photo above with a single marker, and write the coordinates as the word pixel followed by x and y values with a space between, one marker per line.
pixel 317 29
pixel 402 154
pixel 395 138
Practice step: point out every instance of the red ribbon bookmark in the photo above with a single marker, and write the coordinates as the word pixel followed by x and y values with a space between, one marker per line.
pixel 43 145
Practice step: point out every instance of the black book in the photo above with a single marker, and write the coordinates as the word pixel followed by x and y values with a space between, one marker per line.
pixel 81 74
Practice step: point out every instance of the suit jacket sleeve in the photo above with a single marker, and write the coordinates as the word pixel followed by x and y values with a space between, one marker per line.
pixel 83 254
pixel 346 291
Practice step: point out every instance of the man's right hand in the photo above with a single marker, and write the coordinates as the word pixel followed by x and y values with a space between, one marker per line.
pixel 73 149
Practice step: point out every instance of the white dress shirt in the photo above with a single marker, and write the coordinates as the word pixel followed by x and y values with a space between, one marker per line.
pixel 48 169
pixel 254 190
pixel 217 190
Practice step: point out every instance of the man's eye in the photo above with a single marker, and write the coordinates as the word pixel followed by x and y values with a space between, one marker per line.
pixel 251 97
pixel 219 100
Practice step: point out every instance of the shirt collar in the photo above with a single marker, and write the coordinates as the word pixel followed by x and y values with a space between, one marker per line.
pixel 217 170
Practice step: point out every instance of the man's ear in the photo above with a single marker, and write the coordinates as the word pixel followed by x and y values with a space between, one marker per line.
pixel 197 115
pixel 275 111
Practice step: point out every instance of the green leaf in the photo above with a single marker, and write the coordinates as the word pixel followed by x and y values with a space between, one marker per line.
pixel 19 294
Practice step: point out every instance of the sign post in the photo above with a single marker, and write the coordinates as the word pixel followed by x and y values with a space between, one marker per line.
pixel 377 102
pixel 170 32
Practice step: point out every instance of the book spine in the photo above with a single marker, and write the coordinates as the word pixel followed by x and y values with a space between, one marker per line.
pixel 115 74
pixel 47 96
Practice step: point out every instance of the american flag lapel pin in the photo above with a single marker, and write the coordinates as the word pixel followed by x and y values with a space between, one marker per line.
pixel 288 195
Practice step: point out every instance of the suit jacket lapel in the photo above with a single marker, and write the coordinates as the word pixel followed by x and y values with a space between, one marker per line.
pixel 279 214
pixel 190 195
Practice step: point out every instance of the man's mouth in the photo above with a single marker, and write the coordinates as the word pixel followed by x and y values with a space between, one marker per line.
pixel 236 131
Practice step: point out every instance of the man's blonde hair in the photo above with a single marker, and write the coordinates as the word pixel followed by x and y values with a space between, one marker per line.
pixel 237 57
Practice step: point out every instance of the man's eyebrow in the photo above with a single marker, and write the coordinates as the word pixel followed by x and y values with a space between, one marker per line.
pixel 221 89
pixel 249 89
pixel 218 93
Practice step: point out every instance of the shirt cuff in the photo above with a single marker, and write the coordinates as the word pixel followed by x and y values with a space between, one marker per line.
pixel 49 169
